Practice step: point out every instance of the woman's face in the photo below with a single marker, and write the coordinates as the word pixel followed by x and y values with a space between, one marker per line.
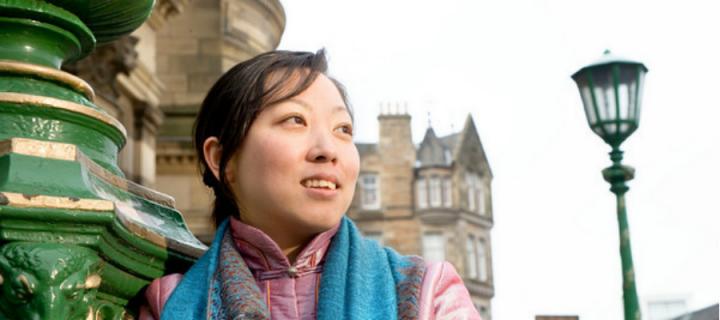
pixel 294 175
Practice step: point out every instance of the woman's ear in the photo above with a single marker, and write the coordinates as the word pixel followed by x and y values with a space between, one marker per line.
pixel 213 153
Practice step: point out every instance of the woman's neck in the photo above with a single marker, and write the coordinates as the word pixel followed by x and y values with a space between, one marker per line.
pixel 292 252
pixel 290 244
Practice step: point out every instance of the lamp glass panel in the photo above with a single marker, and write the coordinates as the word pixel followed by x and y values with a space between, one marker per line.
pixel 598 130
pixel 638 103
pixel 628 78
pixel 588 103
pixel 611 128
pixel 624 100
pixel 624 127
pixel 632 100
pixel 604 92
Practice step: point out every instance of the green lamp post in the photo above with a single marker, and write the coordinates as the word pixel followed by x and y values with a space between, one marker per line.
pixel 78 240
pixel 611 90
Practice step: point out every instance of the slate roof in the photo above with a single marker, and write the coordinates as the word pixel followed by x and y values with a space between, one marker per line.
pixel 450 140
pixel 434 151
pixel 438 151
pixel 709 313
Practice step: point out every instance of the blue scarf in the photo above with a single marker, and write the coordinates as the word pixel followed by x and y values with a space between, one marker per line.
pixel 360 280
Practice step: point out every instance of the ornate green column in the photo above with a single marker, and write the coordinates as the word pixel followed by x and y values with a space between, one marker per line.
pixel 77 239
pixel 617 175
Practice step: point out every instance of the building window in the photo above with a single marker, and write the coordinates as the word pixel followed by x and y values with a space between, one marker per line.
pixel 421 188
pixel 370 191
pixel 481 195
pixel 433 247
pixel 470 182
pixel 476 194
pixel 435 192
pixel 471 257
pixel 375 236
pixel 482 260
pixel 447 192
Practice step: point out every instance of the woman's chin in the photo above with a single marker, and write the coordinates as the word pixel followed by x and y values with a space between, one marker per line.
pixel 320 223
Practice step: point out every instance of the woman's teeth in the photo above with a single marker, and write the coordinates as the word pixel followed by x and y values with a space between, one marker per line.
pixel 316 183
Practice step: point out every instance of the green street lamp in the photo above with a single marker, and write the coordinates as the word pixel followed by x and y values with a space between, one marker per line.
pixel 611 91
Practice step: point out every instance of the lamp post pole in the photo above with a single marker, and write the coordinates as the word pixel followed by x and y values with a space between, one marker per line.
pixel 617 175
pixel 611 90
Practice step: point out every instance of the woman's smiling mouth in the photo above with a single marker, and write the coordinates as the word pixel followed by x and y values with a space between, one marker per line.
pixel 319 183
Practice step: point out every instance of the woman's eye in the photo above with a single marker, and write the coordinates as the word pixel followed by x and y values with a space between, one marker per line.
pixel 297 120
pixel 346 129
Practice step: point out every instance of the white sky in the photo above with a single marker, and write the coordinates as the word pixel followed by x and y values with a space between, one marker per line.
pixel 555 240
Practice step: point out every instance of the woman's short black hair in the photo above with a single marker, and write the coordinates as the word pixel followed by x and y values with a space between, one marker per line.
pixel 235 100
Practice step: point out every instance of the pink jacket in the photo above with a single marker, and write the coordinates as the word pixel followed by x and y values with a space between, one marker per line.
pixel 291 291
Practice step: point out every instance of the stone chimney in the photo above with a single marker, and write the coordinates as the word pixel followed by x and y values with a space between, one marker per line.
pixel 397 154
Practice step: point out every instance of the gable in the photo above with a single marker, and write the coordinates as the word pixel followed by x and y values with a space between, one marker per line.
pixel 469 151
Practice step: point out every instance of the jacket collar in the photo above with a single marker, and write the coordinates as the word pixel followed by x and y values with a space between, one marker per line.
pixel 261 253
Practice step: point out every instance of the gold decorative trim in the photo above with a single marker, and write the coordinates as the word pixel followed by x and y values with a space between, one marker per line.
pixel 49 74
pixel 22 98
pixel 124 213
pixel 37 148
pixel 69 152
pixel 52 202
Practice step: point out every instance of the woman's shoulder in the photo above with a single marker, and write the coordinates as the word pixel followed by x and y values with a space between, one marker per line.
pixel 156 294
pixel 444 293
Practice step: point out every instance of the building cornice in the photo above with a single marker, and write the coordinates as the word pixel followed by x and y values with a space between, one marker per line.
pixel 444 216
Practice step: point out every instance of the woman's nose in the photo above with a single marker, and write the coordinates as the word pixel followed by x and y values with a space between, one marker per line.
pixel 322 148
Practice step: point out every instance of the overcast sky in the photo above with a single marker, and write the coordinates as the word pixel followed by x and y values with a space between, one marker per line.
pixel 508 63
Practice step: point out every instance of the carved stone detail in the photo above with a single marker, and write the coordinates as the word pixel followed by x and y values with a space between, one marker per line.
pixel 164 10
pixel 48 281
pixel 101 67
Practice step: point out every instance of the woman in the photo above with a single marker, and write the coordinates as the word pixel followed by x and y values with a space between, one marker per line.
pixel 274 136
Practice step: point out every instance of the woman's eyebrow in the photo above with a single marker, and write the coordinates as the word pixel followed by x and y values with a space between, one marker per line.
pixel 301 103
pixel 306 105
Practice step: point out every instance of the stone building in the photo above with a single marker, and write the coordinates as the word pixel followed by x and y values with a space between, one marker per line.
pixel 193 51
pixel 431 200
pixel 154 80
